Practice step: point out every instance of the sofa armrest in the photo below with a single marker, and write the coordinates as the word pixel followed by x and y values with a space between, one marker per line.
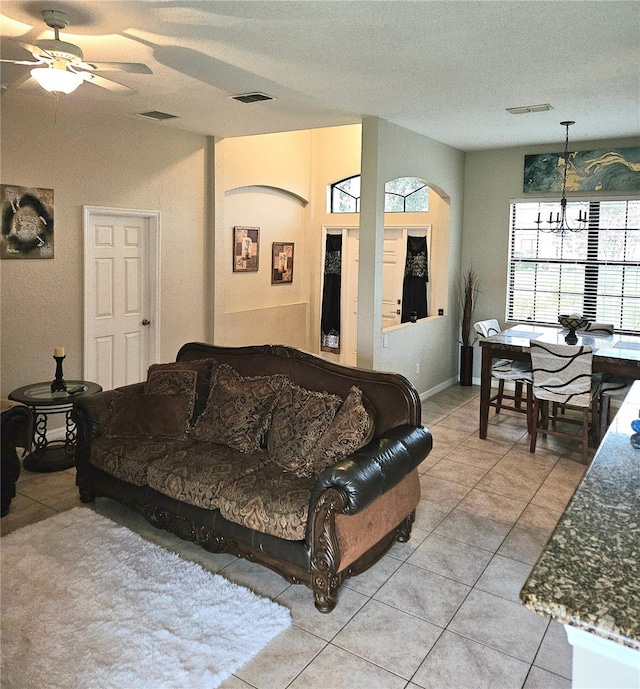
pixel 134 388
pixel 375 468
pixel 92 413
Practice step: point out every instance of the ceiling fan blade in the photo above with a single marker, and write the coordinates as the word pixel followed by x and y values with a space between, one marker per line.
pixel 131 67
pixel 24 62
pixel 105 83
pixel 36 52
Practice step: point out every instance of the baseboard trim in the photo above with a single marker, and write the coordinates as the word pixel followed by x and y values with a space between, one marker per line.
pixel 438 388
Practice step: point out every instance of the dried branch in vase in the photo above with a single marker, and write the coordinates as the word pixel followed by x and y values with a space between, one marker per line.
pixel 468 293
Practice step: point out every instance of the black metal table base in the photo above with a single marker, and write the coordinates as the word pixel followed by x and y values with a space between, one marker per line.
pixel 51 459
pixel 52 455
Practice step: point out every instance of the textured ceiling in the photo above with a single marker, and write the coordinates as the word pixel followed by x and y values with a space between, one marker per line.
pixel 445 69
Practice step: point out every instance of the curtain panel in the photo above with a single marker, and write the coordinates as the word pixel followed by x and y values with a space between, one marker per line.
pixel 416 277
pixel 330 320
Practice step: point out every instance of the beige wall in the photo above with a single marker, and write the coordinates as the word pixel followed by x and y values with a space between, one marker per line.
pixel 492 180
pixel 276 182
pixel 265 181
pixel 335 155
pixel 389 152
pixel 262 181
pixel 102 161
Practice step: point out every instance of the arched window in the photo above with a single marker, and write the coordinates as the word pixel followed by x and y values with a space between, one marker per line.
pixel 406 195
pixel 345 195
pixel 402 195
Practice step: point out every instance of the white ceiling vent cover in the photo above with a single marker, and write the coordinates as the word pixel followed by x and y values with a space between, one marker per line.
pixel 526 109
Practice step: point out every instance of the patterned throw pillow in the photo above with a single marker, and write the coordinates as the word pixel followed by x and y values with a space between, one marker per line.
pixel 299 421
pixel 352 428
pixel 151 416
pixel 238 410
pixel 203 367
pixel 173 382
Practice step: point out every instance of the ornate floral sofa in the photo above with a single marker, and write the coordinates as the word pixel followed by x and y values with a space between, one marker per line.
pixel 266 452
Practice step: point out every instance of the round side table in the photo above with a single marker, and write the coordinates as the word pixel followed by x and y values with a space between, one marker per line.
pixel 55 455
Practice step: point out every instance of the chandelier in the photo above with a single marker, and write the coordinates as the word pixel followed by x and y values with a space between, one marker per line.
pixel 561 224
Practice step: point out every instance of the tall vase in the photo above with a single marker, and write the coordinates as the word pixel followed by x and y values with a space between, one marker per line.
pixel 466 365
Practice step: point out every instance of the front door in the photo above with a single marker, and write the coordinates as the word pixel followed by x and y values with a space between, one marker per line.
pixel 393 260
pixel 121 295
pixel 394 255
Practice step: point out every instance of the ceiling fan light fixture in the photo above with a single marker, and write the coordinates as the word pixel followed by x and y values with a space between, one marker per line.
pixel 56 80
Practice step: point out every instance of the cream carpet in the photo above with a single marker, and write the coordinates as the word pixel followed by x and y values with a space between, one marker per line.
pixel 89 604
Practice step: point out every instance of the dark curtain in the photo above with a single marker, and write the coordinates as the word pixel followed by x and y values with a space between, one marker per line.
pixel 330 321
pixel 416 277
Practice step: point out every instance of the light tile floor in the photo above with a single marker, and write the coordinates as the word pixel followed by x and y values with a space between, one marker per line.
pixel 438 612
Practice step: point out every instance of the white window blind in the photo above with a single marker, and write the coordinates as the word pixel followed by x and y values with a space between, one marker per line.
pixel 594 272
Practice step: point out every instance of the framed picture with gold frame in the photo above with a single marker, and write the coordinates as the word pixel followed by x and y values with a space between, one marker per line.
pixel 246 249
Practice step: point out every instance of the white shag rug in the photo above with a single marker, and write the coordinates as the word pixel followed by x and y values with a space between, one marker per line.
pixel 89 604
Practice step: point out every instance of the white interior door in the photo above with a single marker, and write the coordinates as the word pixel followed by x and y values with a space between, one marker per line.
pixel 350 266
pixel 393 260
pixel 121 295
pixel 392 273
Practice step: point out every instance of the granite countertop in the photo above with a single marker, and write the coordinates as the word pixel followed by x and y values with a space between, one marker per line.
pixel 588 574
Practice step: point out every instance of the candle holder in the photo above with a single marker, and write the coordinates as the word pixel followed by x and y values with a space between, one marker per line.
pixel 58 385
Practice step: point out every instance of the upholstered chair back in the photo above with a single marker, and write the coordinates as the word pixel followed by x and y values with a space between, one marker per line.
pixel 562 373
pixel 599 328
pixel 487 328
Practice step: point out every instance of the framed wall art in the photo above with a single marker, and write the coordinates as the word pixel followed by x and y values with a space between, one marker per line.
pixel 616 169
pixel 246 249
pixel 282 263
pixel 27 222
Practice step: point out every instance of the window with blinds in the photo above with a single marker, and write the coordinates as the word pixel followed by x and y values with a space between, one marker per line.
pixel 594 272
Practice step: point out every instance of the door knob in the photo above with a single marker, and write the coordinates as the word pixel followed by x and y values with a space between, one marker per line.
pixel 146 322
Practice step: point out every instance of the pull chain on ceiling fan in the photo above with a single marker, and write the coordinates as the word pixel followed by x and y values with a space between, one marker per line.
pixel 59 66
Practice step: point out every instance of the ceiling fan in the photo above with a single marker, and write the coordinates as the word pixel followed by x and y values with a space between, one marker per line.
pixel 59 66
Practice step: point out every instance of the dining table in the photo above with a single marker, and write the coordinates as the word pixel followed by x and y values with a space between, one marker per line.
pixel 617 354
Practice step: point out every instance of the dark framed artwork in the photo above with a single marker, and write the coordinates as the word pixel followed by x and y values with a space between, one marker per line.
pixel 246 249
pixel 27 222
pixel 282 263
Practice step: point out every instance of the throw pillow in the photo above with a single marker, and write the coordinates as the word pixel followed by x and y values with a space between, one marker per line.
pixel 299 421
pixel 173 382
pixel 238 410
pixel 352 428
pixel 156 416
pixel 203 367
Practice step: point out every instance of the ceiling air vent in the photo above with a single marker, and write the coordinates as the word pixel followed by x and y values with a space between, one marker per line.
pixel 157 115
pixel 525 109
pixel 252 97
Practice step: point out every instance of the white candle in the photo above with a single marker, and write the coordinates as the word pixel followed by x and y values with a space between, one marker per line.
pixel 58 351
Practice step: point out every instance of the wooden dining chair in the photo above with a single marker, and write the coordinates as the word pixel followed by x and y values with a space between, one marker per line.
pixel 612 386
pixel 517 372
pixel 564 374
